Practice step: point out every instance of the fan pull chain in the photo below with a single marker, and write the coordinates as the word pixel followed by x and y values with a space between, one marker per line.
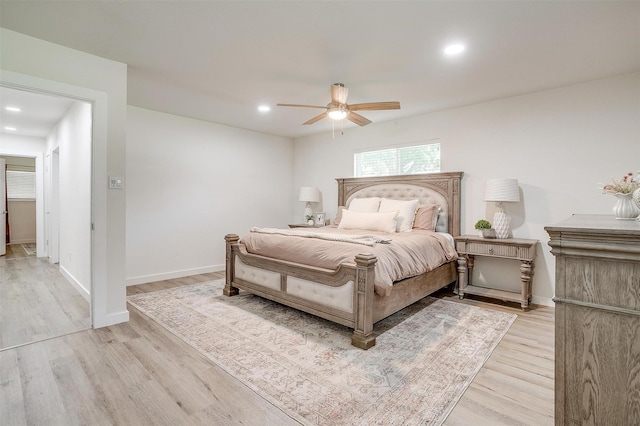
pixel 333 128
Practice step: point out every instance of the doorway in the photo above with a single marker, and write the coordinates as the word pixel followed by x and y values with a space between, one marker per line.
pixel 48 296
pixel 19 202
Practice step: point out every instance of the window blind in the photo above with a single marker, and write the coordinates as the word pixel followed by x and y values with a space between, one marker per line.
pixel 21 185
pixel 406 160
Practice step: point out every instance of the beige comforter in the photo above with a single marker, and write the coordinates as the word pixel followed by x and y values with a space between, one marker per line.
pixel 407 254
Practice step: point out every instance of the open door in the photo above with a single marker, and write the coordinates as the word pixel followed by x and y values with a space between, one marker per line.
pixel 3 208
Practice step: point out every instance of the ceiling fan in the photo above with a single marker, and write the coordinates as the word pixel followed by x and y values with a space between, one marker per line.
pixel 339 109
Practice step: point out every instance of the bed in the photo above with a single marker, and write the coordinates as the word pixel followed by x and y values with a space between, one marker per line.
pixel 347 294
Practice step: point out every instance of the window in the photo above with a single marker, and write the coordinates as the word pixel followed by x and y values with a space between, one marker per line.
pixel 21 185
pixel 406 160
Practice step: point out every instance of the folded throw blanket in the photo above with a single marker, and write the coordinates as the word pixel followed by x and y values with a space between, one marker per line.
pixel 365 239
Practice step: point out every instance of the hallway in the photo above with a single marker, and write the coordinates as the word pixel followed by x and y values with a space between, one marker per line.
pixel 36 301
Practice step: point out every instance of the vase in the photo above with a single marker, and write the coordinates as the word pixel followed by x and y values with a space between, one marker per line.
pixel 626 207
pixel 488 233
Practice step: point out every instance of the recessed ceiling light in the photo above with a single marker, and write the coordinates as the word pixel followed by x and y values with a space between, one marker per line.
pixel 13 109
pixel 264 108
pixel 10 128
pixel 454 49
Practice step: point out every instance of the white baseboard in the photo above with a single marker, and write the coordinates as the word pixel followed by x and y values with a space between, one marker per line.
pixel 544 301
pixel 111 319
pixel 174 274
pixel 78 286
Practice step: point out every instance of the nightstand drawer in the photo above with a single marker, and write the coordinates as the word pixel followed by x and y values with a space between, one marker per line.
pixel 488 249
pixel 507 248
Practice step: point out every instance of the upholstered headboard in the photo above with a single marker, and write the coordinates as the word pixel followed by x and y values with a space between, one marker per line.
pixel 431 188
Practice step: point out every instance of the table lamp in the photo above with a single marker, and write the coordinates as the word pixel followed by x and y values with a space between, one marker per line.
pixel 501 191
pixel 309 194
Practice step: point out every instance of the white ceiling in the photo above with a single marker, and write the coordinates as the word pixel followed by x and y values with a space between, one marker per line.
pixel 218 61
pixel 39 113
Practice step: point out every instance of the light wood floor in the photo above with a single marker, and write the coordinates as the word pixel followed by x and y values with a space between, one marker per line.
pixel 138 373
pixel 36 301
pixel 16 251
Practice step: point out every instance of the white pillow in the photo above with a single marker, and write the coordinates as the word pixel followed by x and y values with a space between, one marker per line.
pixel 384 222
pixel 365 204
pixel 406 212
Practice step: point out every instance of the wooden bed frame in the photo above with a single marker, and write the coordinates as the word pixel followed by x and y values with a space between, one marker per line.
pixel 280 280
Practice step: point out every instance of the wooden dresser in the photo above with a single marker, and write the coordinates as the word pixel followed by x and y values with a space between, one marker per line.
pixel 597 331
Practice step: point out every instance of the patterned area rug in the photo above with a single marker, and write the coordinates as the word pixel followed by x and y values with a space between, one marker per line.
pixel 425 355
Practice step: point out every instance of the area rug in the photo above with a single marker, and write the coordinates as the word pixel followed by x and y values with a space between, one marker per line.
pixel 425 355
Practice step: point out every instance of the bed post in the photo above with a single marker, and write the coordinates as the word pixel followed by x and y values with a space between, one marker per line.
pixel 363 336
pixel 228 289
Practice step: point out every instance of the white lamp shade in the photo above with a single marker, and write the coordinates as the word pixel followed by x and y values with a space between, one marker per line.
pixel 502 190
pixel 309 194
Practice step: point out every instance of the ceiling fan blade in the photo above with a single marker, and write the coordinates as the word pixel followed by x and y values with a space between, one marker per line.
pixel 372 106
pixel 302 106
pixel 339 94
pixel 358 119
pixel 316 118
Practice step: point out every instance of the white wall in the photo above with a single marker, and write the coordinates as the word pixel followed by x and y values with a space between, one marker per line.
pixel 17 143
pixel 22 221
pixel 72 136
pixel 35 64
pixel 558 143
pixel 189 183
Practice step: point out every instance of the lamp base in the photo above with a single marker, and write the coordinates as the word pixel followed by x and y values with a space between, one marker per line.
pixel 501 222
pixel 308 212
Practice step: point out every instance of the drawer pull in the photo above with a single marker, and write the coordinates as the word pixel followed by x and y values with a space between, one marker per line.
pixel 490 250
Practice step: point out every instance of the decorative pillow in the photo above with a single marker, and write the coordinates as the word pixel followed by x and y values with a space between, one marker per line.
pixel 406 212
pixel 385 222
pixel 427 217
pixel 336 221
pixel 365 204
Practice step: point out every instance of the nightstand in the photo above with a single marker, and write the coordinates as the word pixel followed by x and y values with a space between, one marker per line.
pixel 523 250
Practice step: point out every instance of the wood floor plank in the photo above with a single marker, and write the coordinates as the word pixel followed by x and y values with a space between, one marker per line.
pixel 12 407
pixel 37 302
pixel 522 392
pixel 42 400
pixel 516 373
pixel 115 389
pixel 532 365
pixel 483 407
pixel 170 372
pixel 82 403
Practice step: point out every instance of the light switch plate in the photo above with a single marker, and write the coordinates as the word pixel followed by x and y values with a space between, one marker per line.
pixel 116 182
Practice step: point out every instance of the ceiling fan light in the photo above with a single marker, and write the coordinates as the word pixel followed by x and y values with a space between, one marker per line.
pixel 337 114
pixel 454 49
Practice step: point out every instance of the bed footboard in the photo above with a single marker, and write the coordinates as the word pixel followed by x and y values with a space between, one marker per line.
pixel 344 296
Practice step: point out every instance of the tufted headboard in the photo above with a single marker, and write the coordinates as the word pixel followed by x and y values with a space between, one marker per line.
pixel 430 188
